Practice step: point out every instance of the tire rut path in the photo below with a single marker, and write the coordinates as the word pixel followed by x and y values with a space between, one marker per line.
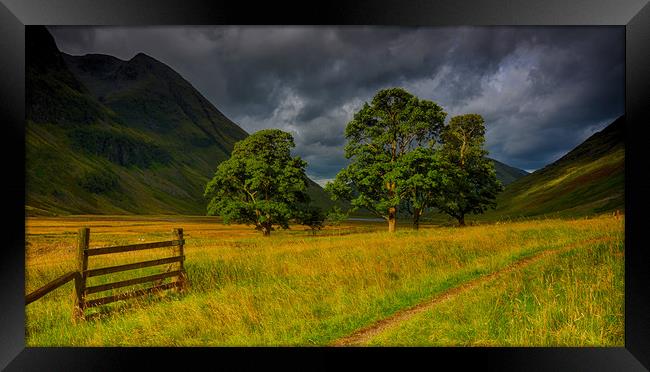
pixel 364 335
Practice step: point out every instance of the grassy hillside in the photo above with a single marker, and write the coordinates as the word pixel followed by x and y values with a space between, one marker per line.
pixel 587 180
pixel 106 136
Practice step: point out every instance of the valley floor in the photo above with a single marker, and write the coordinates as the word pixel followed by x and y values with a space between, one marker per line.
pixel 546 282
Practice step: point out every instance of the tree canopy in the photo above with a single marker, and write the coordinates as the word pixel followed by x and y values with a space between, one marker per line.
pixel 379 136
pixel 311 216
pixel 468 183
pixel 420 176
pixel 261 184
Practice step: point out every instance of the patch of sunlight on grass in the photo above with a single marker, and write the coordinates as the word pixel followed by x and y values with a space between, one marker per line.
pixel 575 298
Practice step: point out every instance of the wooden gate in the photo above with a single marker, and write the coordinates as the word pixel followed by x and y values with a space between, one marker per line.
pixel 81 290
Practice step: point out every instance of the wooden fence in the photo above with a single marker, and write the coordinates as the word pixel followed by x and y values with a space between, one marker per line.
pixel 80 277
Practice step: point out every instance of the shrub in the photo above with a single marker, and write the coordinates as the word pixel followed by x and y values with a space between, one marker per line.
pixel 99 181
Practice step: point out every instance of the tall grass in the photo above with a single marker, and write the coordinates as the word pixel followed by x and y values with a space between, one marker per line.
pixel 575 298
pixel 289 289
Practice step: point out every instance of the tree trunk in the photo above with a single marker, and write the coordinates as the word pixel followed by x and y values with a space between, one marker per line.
pixel 462 153
pixel 266 229
pixel 392 219
pixel 461 220
pixel 416 218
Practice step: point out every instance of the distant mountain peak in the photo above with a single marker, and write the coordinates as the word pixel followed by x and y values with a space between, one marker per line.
pixel 506 173
pixel 41 50
pixel 130 136
pixel 141 55
pixel 144 58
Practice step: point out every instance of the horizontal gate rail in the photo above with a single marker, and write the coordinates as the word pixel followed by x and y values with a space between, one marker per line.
pixel 125 283
pixel 133 266
pixel 127 295
pixel 133 247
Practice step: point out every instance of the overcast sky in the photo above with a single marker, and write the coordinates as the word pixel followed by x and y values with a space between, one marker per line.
pixel 541 90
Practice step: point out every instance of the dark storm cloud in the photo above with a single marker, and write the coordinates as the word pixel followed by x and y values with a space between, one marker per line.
pixel 541 90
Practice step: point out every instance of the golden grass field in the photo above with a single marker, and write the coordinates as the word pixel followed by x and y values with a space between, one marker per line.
pixel 301 290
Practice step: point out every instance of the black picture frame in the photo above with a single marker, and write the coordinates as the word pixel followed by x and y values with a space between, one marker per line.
pixel 633 14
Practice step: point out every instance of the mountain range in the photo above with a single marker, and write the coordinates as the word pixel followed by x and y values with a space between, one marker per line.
pixel 108 136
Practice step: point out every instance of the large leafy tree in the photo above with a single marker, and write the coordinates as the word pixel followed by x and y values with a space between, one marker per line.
pixel 468 183
pixel 379 136
pixel 311 216
pixel 420 181
pixel 261 184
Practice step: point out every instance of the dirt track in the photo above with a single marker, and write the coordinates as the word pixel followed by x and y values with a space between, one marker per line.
pixel 364 335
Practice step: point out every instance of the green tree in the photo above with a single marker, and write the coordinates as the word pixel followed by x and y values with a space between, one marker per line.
pixel 316 218
pixel 311 216
pixel 336 216
pixel 468 183
pixel 379 135
pixel 421 178
pixel 261 184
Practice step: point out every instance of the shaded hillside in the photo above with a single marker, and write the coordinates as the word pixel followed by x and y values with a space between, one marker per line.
pixel 149 96
pixel 106 136
pixel 54 94
pixel 587 180
pixel 507 174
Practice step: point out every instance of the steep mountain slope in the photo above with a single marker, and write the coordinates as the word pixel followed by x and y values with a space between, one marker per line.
pixel 587 180
pixel 107 136
pixel 151 97
pixel 507 174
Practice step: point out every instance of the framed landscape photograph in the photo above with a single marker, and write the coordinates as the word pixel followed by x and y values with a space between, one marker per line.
pixel 386 181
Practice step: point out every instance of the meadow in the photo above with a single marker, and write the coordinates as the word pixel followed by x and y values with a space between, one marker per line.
pixel 299 289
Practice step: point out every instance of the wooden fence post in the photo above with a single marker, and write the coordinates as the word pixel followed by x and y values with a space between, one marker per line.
pixel 182 278
pixel 80 281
